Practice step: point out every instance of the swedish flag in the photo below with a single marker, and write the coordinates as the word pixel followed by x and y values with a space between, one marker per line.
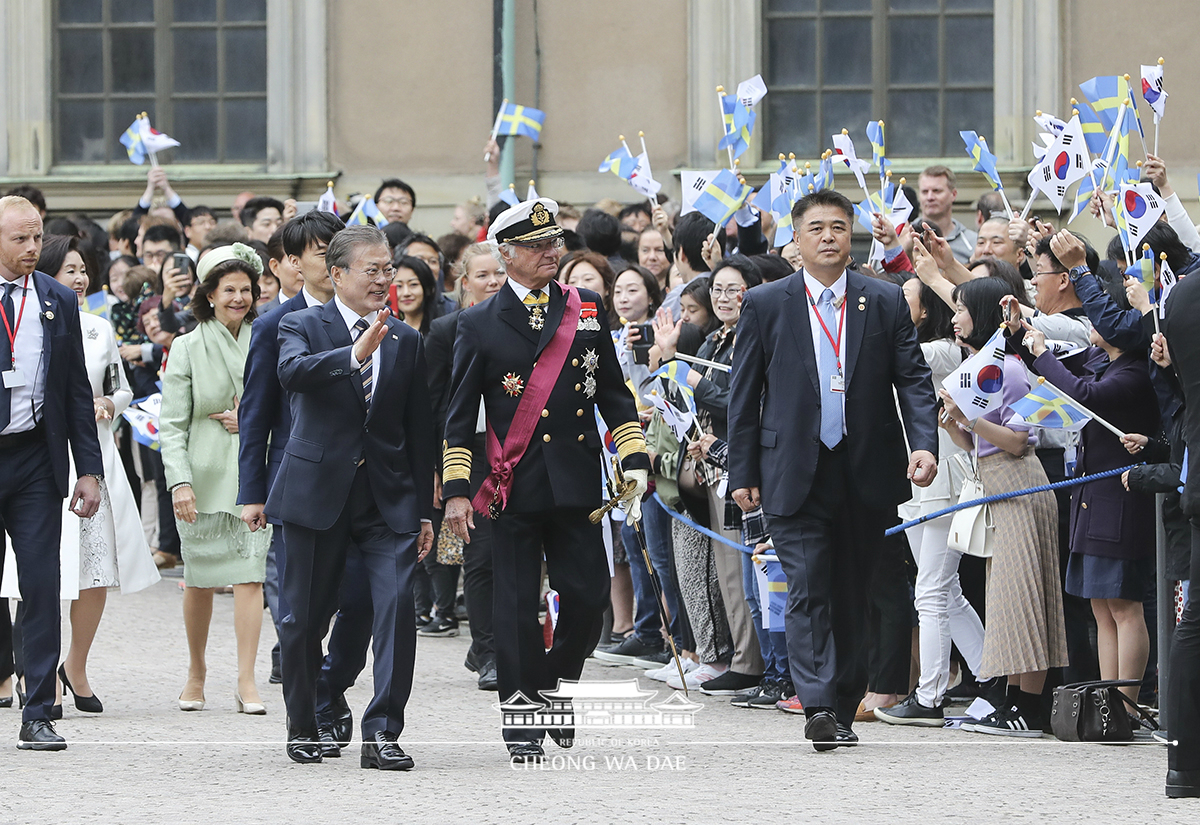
pixel 366 213
pixel 521 120
pixel 739 123
pixel 1106 94
pixel 96 304
pixel 878 154
pixel 723 196
pixel 1120 171
pixel 132 141
pixel 677 373
pixel 1143 270
pixel 985 161
pixel 620 162
pixel 1044 407
pixel 1093 130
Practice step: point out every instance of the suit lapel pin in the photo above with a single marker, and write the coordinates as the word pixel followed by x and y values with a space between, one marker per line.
pixel 49 315
pixel 862 302
pixel 395 337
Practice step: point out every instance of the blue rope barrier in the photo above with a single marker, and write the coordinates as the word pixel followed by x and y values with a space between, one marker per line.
pixel 704 531
pixel 962 505
pixel 891 531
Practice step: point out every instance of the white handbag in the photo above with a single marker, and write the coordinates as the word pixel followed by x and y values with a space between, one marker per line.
pixel 972 530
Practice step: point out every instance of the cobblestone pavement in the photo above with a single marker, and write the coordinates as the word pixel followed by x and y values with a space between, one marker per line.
pixel 143 760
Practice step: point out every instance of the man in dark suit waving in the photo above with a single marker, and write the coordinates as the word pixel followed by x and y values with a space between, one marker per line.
pixel 356 469
pixel 822 357
pixel 45 403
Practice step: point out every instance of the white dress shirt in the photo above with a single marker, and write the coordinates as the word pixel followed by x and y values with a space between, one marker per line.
pixel 523 291
pixel 26 402
pixel 310 300
pixel 351 318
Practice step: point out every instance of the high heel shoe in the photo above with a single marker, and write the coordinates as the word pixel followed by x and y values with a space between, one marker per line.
pixel 191 704
pixel 87 704
pixel 251 708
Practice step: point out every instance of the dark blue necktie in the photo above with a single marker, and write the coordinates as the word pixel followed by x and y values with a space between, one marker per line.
pixel 6 361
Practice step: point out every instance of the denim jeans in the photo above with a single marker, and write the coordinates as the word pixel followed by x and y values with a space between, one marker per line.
pixel 656 527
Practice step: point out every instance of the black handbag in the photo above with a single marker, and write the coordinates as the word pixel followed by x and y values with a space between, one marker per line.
pixel 1096 712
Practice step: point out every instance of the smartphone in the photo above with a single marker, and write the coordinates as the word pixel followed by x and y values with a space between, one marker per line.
pixel 641 349
pixel 305 206
pixel 393 301
pixel 182 262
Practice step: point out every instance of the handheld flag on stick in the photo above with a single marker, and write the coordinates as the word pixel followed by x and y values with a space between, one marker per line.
pixel 1166 277
pixel 642 179
pixel 97 303
pixel 620 162
pixel 1142 209
pixel 1153 94
pixel 1093 130
pixel 520 120
pixel 1064 163
pixel 750 92
pixel 843 151
pixel 365 213
pixel 1044 407
pixel 985 162
pixel 141 140
pixel 977 386
pixel 509 196
pixel 327 202
pixel 1106 94
pixel 722 197
pixel 677 373
pixel 739 123
pixel 531 193
pixel 875 134
pixel 1143 270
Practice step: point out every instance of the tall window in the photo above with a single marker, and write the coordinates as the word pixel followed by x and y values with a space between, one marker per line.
pixel 922 66
pixel 198 68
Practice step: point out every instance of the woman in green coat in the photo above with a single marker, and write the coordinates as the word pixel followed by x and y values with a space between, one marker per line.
pixel 198 433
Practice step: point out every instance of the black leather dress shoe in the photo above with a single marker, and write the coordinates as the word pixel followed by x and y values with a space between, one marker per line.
pixel 39 735
pixel 383 753
pixel 563 737
pixel 846 738
pixel 487 677
pixel 343 720
pixel 6 702
pixel 821 730
pixel 525 752
pixel 1180 784
pixel 303 747
pixel 87 704
pixel 330 749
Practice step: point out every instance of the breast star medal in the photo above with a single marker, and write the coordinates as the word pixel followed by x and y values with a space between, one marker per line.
pixel 93 334
pixel 536 320
pixel 591 361
pixel 589 386
pixel 513 385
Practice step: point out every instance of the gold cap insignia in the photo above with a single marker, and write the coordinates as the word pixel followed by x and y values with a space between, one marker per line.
pixel 539 216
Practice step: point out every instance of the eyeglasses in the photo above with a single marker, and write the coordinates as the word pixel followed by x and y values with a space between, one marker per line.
pixel 542 246
pixel 390 201
pixel 1050 272
pixel 373 273
pixel 731 292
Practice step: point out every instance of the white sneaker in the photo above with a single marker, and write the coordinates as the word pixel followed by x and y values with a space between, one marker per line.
pixel 697 677
pixel 661 674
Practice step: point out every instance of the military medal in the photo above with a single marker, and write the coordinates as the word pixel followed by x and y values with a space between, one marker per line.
pixel 589 386
pixel 93 334
pixel 590 360
pixel 588 317
pixel 513 385
pixel 536 321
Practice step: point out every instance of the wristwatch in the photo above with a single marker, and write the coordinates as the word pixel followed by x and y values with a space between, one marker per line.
pixel 1077 272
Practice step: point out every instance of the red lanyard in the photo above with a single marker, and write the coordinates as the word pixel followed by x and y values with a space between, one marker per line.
pixel 13 330
pixel 837 345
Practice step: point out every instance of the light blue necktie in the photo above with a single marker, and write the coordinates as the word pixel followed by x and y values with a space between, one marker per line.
pixel 831 402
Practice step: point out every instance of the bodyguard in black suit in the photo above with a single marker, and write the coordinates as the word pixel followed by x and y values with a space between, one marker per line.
pixel 356 469
pixel 822 357
pixel 45 403
pixel 543 496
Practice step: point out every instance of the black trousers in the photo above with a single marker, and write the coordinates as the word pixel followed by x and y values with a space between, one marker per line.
pixel 1183 697
pixel 7 662
pixel 478 575
pixel 828 551
pixel 312 578
pixel 578 570
pixel 31 514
